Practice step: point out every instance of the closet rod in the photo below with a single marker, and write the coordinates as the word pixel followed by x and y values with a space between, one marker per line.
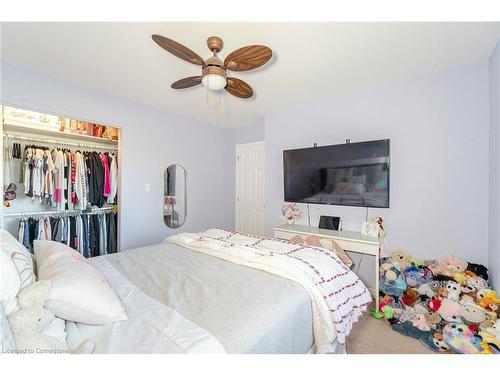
pixel 93 211
pixel 63 143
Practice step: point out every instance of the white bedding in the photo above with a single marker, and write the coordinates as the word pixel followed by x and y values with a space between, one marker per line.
pixel 181 301
pixel 234 293
pixel 338 296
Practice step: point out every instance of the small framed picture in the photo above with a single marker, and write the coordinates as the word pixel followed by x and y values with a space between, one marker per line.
pixel 369 228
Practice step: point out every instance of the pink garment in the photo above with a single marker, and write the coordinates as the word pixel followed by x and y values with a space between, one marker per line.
pixel 107 181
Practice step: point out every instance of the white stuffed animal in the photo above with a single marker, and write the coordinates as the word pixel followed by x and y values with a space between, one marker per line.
pixel 495 330
pixel 32 318
pixel 453 289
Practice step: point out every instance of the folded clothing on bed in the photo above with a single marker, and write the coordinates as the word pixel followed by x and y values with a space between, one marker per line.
pixel 338 296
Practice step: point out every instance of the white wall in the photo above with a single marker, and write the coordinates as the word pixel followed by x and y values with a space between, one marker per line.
pixel 494 220
pixel 151 140
pixel 438 126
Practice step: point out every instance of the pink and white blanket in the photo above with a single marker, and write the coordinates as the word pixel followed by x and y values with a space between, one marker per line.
pixel 338 296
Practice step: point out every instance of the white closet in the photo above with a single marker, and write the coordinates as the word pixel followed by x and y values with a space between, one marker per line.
pixel 76 138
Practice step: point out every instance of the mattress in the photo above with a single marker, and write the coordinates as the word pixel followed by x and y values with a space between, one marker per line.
pixel 182 301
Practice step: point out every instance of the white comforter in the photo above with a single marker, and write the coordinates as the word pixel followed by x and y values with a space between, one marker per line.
pixel 339 297
pixel 182 301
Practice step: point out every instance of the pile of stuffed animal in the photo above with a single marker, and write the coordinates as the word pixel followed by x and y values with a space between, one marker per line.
pixel 447 305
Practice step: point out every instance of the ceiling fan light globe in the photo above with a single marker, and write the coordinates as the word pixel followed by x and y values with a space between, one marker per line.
pixel 214 82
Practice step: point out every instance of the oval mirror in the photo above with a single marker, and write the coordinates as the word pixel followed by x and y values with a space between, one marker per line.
pixel 174 196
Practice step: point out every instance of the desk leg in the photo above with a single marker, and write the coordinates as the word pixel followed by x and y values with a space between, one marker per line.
pixel 377 293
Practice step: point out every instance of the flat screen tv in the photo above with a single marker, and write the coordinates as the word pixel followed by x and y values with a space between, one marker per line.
pixel 348 174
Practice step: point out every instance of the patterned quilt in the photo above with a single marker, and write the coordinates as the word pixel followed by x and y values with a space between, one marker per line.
pixel 338 295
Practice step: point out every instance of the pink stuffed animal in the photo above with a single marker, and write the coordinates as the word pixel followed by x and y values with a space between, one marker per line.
pixel 450 310
pixel 420 322
pixel 449 266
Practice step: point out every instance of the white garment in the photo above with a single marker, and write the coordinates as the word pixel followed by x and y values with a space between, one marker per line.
pixel 48 229
pixel 6 165
pixel 49 180
pixel 41 235
pixel 80 181
pixel 20 234
pixel 37 174
pixel 103 233
pixel 69 185
pixel 113 178
pixel 58 175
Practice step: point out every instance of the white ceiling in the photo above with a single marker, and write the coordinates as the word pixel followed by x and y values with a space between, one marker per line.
pixel 310 61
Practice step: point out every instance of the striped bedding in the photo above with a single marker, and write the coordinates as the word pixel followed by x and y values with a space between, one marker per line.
pixel 338 296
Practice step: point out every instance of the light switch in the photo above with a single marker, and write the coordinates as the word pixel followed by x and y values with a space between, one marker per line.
pixel 147 186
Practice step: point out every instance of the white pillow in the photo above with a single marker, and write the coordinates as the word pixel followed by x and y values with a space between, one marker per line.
pixel 80 292
pixel 16 270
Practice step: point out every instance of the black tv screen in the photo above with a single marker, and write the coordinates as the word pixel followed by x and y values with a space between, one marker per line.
pixel 349 174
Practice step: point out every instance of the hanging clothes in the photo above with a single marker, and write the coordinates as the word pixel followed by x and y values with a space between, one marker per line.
pixel 80 180
pixel 94 238
pixel 103 238
pixel 20 232
pixel 111 233
pixel 58 173
pixel 106 189
pixel 113 178
pixel 6 164
pixel 91 234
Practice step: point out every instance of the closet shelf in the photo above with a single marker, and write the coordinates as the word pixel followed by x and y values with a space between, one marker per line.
pixel 29 131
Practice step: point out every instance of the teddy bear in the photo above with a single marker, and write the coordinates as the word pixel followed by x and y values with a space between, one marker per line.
pixel 449 266
pixel 401 257
pixel 453 290
pixel 433 318
pixel 410 297
pixel 32 318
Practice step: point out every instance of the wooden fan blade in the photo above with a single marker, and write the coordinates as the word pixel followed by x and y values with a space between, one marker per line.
pixel 247 58
pixel 186 82
pixel 238 88
pixel 178 50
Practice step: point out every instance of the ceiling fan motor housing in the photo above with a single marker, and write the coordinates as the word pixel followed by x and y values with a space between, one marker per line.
pixel 214 70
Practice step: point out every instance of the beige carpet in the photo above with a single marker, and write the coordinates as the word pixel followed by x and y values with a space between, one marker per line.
pixel 375 336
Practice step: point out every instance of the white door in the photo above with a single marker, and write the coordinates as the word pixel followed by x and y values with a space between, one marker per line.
pixel 250 188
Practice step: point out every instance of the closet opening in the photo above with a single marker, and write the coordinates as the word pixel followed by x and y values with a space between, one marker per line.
pixel 61 180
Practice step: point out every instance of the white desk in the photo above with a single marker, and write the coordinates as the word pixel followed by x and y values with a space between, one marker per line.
pixel 351 241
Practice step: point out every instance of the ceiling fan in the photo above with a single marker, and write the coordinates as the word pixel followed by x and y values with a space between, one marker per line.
pixel 214 71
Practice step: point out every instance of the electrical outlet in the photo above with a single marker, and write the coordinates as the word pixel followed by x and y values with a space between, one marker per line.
pixel 147 187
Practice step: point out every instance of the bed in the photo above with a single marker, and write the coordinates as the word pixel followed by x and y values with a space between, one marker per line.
pixel 210 292
pixel 195 294
pixel 180 301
